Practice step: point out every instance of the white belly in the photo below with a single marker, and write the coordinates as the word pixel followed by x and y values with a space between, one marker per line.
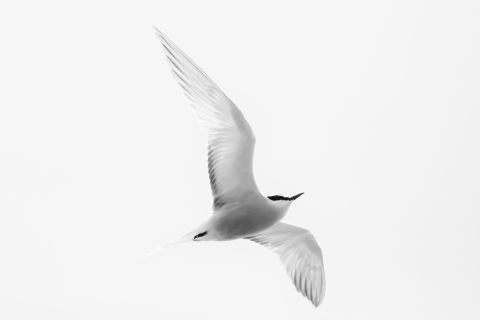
pixel 240 220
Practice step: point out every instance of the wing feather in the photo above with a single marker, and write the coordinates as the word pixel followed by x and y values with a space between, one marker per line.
pixel 300 254
pixel 231 140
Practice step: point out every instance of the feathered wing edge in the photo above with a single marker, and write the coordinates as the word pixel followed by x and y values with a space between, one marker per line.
pixel 231 140
pixel 300 254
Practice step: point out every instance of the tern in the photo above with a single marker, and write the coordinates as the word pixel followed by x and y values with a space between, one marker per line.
pixel 239 210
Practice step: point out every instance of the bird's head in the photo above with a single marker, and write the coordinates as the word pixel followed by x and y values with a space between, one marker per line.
pixel 284 200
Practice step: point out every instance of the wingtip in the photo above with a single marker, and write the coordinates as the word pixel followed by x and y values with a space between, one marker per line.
pixel 159 34
pixel 321 296
pixel 156 29
pixel 316 302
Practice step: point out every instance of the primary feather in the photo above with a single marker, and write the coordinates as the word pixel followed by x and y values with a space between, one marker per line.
pixel 231 140
pixel 300 254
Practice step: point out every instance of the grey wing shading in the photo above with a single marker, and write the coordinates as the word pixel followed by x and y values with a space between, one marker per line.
pixel 231 140
pixel 301 256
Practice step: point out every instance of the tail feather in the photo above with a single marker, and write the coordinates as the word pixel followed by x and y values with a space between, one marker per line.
pixel 184 239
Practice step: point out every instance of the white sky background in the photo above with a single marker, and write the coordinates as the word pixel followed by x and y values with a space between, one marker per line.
pixel 372 109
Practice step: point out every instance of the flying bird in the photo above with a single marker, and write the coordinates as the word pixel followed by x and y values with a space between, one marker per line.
pixel 239 210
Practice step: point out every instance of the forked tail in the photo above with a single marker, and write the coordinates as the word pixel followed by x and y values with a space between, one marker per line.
pixel 186 238
pixel 183 239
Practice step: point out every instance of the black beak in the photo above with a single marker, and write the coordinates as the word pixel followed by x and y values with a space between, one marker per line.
pixel 296 196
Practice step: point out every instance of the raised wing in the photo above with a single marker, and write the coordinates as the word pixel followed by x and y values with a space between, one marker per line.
pixel 230 139
pixel 301 256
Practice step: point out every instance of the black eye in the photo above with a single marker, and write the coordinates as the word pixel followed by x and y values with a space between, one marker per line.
pixel 200 235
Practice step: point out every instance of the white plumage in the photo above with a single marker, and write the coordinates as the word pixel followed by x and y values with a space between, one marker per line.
pixel 239 210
